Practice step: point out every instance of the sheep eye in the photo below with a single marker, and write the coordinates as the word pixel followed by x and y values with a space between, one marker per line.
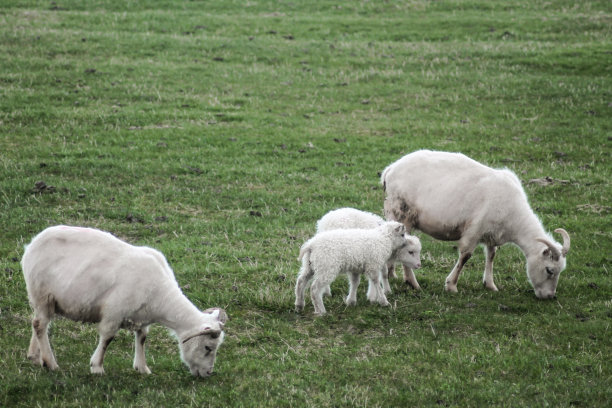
pixel 208 350
pixel 549 271
pixel 411 252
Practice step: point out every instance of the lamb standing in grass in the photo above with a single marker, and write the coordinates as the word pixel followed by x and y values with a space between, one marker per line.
pixel 88 275
pixel 351 251
pixel 408 254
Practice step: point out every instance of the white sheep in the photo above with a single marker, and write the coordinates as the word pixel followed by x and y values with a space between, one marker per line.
pixel 409 254
pixel 452 197
pixel 91 276
pixel 351 251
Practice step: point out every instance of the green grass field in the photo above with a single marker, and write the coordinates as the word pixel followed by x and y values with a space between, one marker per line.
pixel 219 132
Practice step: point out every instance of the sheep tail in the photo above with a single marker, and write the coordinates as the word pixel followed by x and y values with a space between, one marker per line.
pixel 383 177
pixel 304 251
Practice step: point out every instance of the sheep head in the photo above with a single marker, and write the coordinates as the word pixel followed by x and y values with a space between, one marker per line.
pixel 546 264
pixel 409 254
pixel 199 347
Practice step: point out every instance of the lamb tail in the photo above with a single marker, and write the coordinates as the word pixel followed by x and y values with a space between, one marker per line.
pixel 303 251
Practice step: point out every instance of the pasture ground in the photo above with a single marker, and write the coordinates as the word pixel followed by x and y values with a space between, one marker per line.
pixel 219 132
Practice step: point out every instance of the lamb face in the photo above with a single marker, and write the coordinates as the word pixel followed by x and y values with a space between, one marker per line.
pixel 409 254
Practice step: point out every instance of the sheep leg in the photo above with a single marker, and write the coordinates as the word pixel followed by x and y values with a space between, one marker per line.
pixel 453 277
pixel 487 279
pixel 306 274
pixel 385 279
pixel 376 293
pixel 34 349
pixel 372 293
pixel 392 214
pixel 140 361
pixel 354 278
pixel 43 313
pixel 391 270
pixel 107 332
pixel 316 295
pixel 40 325
pixel 410 278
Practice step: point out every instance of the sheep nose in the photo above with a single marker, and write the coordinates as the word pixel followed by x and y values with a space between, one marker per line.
pixel 418 265
pixel 547 295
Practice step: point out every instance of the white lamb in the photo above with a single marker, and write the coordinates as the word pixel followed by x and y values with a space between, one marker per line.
pixel 454 198
pixel 91 276
pixel 351 251
pixel 409 254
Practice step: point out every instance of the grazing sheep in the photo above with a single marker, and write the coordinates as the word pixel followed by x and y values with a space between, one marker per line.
pixel 351 251
pixel 89 275
pixel 454 198
pixel 409 254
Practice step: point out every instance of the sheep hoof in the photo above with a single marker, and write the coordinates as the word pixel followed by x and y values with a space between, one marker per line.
pixel 413 285
pixel 299 308
pixel 491 287
pixel 450 288
pixel 384 303
pixel 51 366
pixel 97 370
pixel 35 358
pixel 143 370
pixel 350 302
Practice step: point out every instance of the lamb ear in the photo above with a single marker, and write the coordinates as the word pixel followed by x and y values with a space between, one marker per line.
pixel 555 251
pixel 566 240
pixel 219 313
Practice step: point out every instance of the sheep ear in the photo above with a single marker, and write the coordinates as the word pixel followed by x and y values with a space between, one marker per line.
pixel 218 313
pixel 550 250
pixel 212 333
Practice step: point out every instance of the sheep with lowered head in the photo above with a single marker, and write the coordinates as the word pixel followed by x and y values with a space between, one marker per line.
pixel 454 198
pixel 350 251
pixel 408 254
pixel 91 276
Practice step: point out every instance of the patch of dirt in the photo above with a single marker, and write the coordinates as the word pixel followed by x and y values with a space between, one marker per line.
pixel 503 308
pixel 40 187
pixel 547 181
pixel 593 208
pixel 132 219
